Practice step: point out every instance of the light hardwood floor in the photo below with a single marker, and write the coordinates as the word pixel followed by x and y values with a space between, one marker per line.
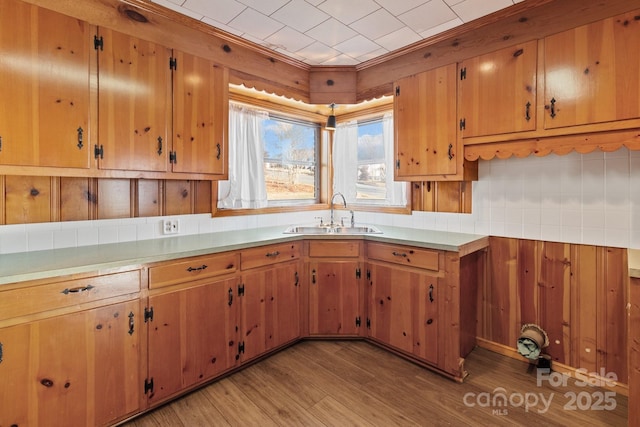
pixel 354 383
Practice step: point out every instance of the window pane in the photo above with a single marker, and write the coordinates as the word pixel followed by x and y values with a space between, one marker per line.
pixel 290 158
pixel 371 183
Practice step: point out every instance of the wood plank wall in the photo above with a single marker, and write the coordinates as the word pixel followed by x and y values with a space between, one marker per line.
pixel 577 293
pixel 31 199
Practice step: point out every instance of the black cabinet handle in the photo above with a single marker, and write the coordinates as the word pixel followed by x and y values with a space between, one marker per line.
pixel 552 107
pixel 218 151
pixel 272 254
pixel 527 111
pixel 131 323
pixel 313 276
pixel 80 138
pixel 230 296
pixel 404 255
pixel 297 277
pixel 202 267
pixel 430 293
pixel 77 290
pixel 159 145
pixel 450 153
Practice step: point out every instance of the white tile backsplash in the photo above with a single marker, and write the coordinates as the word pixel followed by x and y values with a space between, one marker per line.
pixel 578 198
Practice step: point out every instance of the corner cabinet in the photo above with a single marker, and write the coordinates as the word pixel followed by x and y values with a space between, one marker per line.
pixel 70 351
pixel 45 87
pixel 335 287
pixel 424 112
pixel 422 303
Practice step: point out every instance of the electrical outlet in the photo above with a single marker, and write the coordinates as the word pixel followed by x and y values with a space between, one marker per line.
pixel 170 226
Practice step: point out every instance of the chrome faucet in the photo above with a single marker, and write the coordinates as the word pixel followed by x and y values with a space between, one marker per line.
pixel 344 201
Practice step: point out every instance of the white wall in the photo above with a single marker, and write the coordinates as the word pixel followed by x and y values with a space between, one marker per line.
pixel 590 199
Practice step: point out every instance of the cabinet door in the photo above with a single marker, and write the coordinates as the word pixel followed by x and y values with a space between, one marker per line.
pixel 77 369
pixel 333 297
pixel 425 124
pixel 44 106
pixel 498 91
pixel 592 73
pixel 192 336
pixel 200 115
pixel 134 103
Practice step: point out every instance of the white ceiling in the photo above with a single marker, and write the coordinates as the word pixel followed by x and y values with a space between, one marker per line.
pixel 335 32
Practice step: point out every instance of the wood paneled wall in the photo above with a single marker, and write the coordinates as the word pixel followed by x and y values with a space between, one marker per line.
pixel 31 199
pixel 577 293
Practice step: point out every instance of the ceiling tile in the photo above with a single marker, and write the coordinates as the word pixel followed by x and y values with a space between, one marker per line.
pixel 349 11
pixel 223 10
pixel 427 16
pixel 300 15
pixel 371 55
pixel 341 60
pixel 357 46
pixel 317 53
pixel 377 24
pixel 440 28
pixel 398 7
pixel 288 39
pixel 222 26
pixel 174 6
pixel 469 10
pixel 331 32
pixel 453 2
pixel 398 39
pixel 255 23
pixel 266 7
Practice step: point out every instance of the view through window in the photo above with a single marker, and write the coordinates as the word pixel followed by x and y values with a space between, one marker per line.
pixel 371 177
pixel 290 161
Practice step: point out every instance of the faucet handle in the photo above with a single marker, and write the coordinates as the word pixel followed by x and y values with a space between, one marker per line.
pixel 320 218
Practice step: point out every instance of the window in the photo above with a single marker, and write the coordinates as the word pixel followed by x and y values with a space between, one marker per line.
pixel 290 158
pixel 363 163
pixel 272 161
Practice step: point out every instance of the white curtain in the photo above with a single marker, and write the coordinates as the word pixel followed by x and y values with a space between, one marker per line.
pixel 345 160
pixel 396 191
pixel 345 163
pixel 246 187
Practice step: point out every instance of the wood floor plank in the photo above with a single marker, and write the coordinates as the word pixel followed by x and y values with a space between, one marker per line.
pixel 340 383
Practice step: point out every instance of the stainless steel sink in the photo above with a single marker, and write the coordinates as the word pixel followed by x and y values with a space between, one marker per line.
pixel 335 229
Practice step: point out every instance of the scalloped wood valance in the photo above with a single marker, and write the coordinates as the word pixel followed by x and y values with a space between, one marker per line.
pixel 561 145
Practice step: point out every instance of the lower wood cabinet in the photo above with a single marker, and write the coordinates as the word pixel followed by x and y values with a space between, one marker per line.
pixel 335 287
pixel 76 369
pixel 192 336
pixel 403 310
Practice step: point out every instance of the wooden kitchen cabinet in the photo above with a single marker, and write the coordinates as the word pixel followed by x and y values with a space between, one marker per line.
pixel 134 103
pixel 44 107
pixel 592 73
pixel 498 91
pixel 200 116
pixel 335 287
pixel 422 302
pixel 269 298
pixel 77 362
pixel 425 125
pixel 192 317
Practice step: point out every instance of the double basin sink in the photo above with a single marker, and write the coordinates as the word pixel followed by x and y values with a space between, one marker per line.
pixel 332 229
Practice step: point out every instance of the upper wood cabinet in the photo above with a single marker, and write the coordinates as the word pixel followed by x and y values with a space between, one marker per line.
pixel 425 125
pixel 134 102
pixel 498 91
pixel 200 115
pixel 44 106
pixel 592 73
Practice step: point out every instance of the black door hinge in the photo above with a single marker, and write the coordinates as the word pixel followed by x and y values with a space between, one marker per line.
pixel 368 323
pixel 398 164
pixel 241 290
pixel 98 151
pixel 148 314
pixel 368 274
pixel 397 90
pixel 241 347
pixel 98 43
pixel 148 386
pixel 463 124
pixel 173 157
pixel 463 73
pixel 358 273
pixel 173 64
pixel 358 321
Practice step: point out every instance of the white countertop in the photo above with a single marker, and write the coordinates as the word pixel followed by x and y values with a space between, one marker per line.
pixel 25 266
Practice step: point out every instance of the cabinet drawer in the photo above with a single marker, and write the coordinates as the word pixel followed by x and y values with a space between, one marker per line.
pixel 267 255
pixel 406 255
pixel 340 248
pixel 194 268
pixel 65 293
